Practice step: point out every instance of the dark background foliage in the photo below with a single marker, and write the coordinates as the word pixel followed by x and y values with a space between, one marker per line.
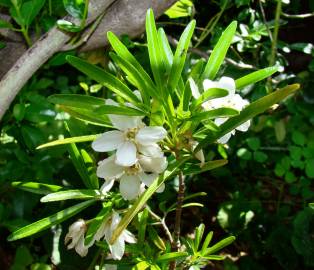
pixel 261 196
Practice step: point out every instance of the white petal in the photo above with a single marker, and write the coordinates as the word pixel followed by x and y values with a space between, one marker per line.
pixel 245 126
pixel 224 139
pixel 111 267
pixel 148 179
pixel 151 150
pixel 130 186
pixel 200 156
pixel 108 141
pixel 207 84
pixel 123 122
pixel 220 121
pixel 128 237
pixel 117 248
pixel 153 164
pixel 126 154
pixel 108 169
pixel 228 84
pixel 107 186
pixel 149 135
pixel 80 248
pixel 115 219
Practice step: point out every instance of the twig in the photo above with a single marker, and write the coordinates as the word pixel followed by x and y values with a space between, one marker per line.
pixel 162 222
pixel 265 21
pixel 177 227
pixel 206 54
pixel 275 35
pixel 297 16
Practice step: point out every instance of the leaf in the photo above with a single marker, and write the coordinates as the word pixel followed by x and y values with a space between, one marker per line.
pixel 105 78
pixel 171 256
pixel 220 50
pixel 198 235
pixel 155 238
pixel 5 24
pixel 91 169
pixel 77 101
pixel 154 49
pixel 207 115
pixel 209 94
pixel 180 55
pixel 79 165
pixel 255 77
pixel 209 165
pixel 75 7
pixel 27 12
pixel 38 188
pixel 110 109
pixel 78 139
pixel 182 8
pixel 207 241
pixel 73 194
pixel 48 222
pixel 249 112
pixel 220 245
pixel 140 202
pixel 165 49
pixel 135 77
pixel 88 116
pixel 68 26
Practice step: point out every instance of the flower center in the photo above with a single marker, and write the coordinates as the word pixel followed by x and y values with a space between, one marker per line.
pixel 131 133
pixel 133 170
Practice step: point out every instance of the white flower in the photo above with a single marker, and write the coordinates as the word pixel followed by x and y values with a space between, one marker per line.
pixel 131 136
pixel 131 177
pixel 199 154
pixel 232 100
pixel 107 228
pixel 76 235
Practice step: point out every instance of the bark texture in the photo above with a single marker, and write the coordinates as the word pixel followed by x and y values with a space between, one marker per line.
pixel 121 17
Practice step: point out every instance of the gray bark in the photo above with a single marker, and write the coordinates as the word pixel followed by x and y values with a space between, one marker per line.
pixel 121 17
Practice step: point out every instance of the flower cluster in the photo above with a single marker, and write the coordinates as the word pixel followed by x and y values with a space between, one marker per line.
pixel 232 100
pixel 77 231
pixel 138 158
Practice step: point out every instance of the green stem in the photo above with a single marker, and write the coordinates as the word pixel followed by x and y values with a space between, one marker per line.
pixel 26 36
pixel 85 14
pixel 275 34
pixel 50 7
pixel 211 24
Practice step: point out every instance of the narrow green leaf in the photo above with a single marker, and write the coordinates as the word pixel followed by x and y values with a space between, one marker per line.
pixel 73 194
pixel 5 24
pixel 97 222
pixel 209 94
pixel 87 115
pixel 138 205
pixel 79 164
pixel 105 78
pixel 91 169
pixel 78 139
pixel 249 112
pixel 48 222
pixel 198 235
pixel 220 112
pixel 171 256
pixel 153 236
pixel 124 53
pixel 219 53
pixel 180 55
pixel 142 226
pixel 136 77
pixel 110 109
pixel 215 257
pixel 220 245
pixel 76 101
pixel 255 77
pixel 206 242
pixel 38 188
pixel 154 49
pixel 209 165
pixel 165 49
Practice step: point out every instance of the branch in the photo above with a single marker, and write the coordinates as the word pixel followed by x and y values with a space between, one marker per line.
pixel 37 55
